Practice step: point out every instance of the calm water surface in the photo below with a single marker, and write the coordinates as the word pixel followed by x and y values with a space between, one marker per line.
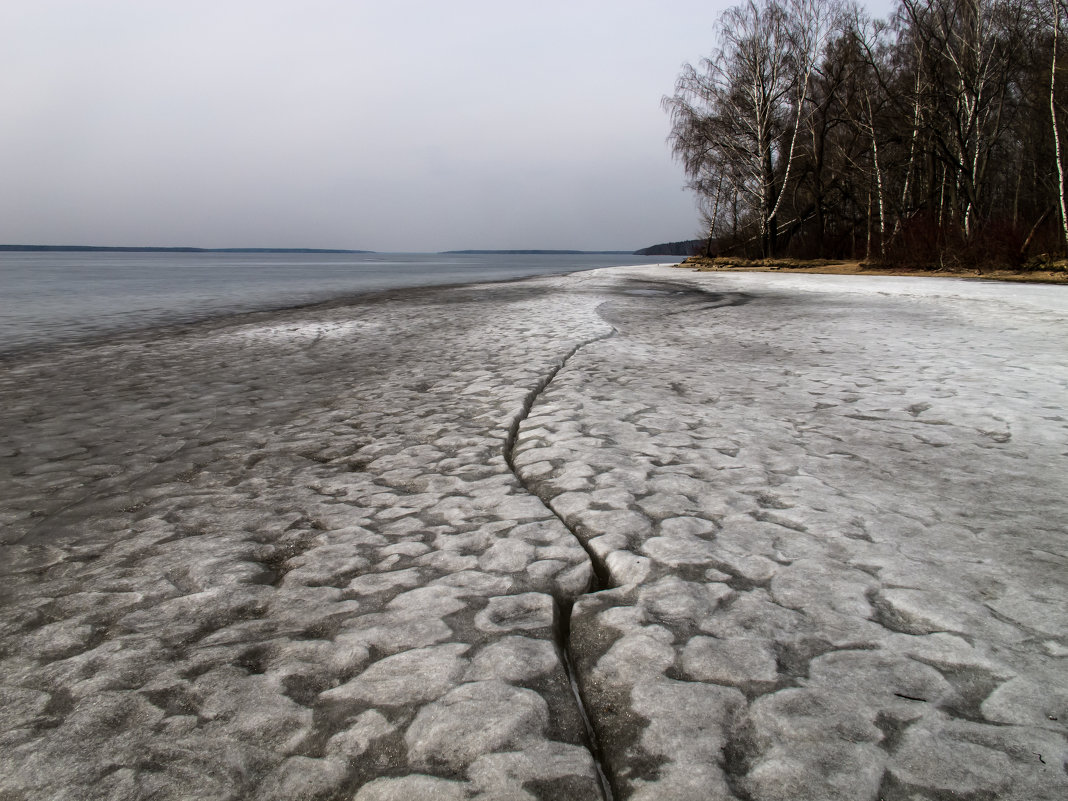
pixel 46 298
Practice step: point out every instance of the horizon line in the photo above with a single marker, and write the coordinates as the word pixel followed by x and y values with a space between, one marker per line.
pixel 195 249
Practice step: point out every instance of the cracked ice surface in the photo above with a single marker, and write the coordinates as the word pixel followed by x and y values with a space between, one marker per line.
pixel 283 556
pixel 834 517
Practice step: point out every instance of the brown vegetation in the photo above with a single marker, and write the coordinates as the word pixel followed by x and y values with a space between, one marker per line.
pixel 1039 271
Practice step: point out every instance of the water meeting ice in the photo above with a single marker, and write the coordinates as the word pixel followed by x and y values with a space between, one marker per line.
pixel 636 532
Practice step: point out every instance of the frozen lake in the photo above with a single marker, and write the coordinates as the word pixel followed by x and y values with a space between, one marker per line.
pixel 789 537
pixel 48 297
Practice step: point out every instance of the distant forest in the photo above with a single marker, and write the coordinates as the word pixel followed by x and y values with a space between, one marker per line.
pixel 687 247
pixel 934 138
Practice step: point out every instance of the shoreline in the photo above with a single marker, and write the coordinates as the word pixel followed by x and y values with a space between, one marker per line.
pixel 227 317
pixel 494 539
pixel 702 264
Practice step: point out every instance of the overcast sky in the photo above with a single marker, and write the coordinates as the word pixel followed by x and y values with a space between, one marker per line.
pixel 386 125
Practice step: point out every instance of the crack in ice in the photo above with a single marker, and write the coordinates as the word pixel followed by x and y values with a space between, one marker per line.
pixel 598 578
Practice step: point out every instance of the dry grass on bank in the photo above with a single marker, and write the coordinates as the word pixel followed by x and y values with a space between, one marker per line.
pixel 1052 272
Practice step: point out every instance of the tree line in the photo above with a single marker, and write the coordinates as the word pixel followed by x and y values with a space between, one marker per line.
pixel 933 138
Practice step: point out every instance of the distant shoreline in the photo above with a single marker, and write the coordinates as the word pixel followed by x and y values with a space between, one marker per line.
pixel 119 249
pixel 541 252
pixel 151 249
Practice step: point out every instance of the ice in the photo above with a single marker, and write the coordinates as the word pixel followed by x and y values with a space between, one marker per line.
pixel 790 536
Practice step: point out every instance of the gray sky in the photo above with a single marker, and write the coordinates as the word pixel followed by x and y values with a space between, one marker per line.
pixel 385 124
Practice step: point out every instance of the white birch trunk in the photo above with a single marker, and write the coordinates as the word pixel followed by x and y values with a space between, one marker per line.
pixel 878 180
pixel 912 151
pixel 1053 118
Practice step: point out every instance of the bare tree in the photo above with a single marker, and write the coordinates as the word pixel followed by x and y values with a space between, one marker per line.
pixel 745 105
pixel 730 112
pixel 813 22
pixel 870 36
pixel 968 51
pixel 1058 7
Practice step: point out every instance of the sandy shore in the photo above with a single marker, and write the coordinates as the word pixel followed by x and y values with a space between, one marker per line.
pixel 817 267
pixel 638 532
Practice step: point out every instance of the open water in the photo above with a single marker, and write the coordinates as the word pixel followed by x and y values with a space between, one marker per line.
pixel 52 297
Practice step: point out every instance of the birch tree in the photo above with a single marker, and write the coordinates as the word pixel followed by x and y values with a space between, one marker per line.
pixel 731 109
pixel 745 104
pixel 1058 7
pixel 870 37
pixel 968 52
